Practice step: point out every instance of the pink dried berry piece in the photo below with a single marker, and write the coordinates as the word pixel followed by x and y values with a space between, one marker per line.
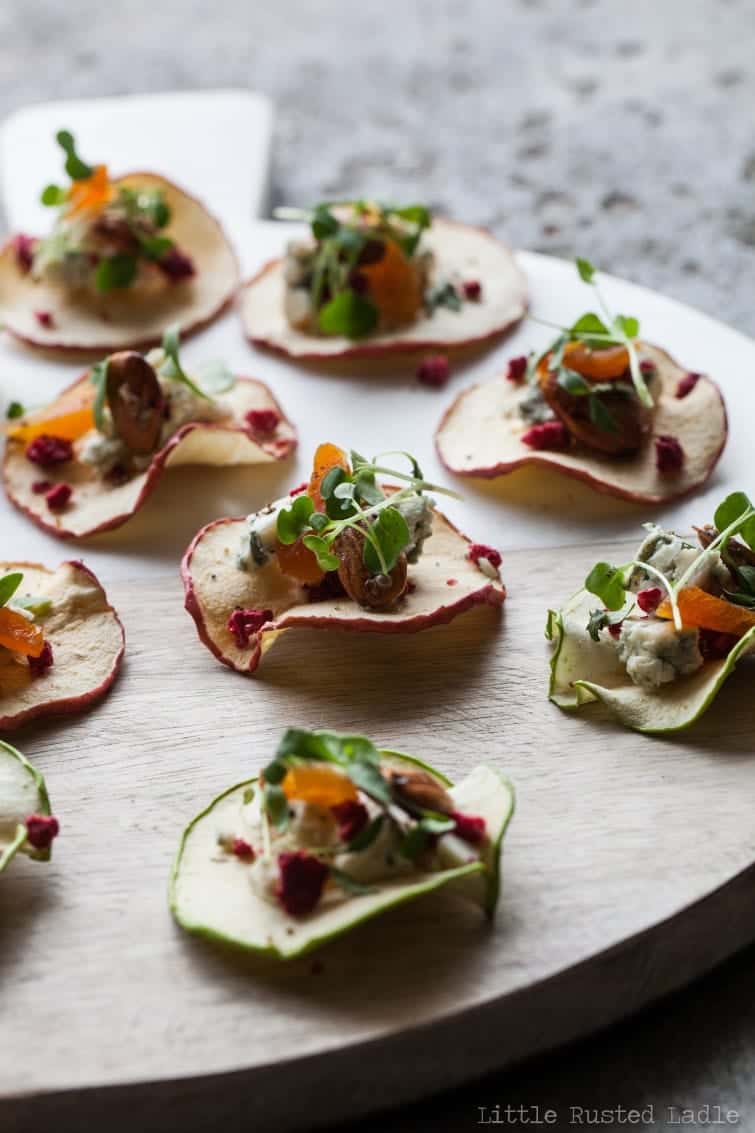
pixel 517 370
pixel 243 624
pixel 47 451
pixel 44 318
pixel 650 599
pixel 669 455
pixel 262 421
pixel 481 551
pixel 241 848
pixel 687 384
pixel 39 487
pixel 351 817
pixel 647 368
pixel 472 289
pixel 614 628
pixel 469 827
pixel 433 371
pixel 552 436
pixel 40 830
pixel 38 666
pixel 297 491
pixel 302 880
pixel 176 265
pixel 57 498
pixel 23 248
pixel 715 646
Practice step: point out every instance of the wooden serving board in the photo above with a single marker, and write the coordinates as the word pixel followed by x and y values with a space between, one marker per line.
pixel 629 868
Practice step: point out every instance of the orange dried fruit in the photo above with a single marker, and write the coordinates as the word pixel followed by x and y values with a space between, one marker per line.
pixel 91 193
pixel 297 562
pixel 600 365
pixel 323 785
pixel 19 634
pixel 327 457
pixel 70 417
pixel 394 285
pixel 705 611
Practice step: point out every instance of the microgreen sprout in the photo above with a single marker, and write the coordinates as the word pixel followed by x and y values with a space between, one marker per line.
pixel 355 500
pixel 596 333
pixel 9 584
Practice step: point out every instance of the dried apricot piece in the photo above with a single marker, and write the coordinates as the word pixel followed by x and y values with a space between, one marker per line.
pixel 297 562
pixel 600 365
pixel 323 785
pixel 393 284
pixel 327 457
pixel 705 611
pixel 70 417
pixel 19 634
pixel 91 192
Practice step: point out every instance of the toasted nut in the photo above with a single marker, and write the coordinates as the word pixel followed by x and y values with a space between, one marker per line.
pixel 416 789
pixel 375 591
pixel 135 400
pixel 632 420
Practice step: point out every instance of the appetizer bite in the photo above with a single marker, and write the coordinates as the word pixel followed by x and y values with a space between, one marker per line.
pixel 26 824
pixel 338 552
pixel 87 462
pixel 126 257
pixel 598 405
pixel 372 279
pixel 332 832
pixel 61 643
pixel 668 628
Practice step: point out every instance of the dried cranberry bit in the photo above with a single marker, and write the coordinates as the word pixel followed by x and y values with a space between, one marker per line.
pixel 39 487
pixel 615 629
pixel 481 551
pixel 23 247
pixel 669 455
pixel 243 624
pixel 686 385
pixel 517 370
pixel 262 421
pixel 715 646
pixel 472 289
pixel 452 582
pixel 351 817
pixel 648 368
pixel 469 827
pixel 302 880
pixel 241 848
pixel 649 599
pixel 58 497
pixel 41 829
pixel 433 371
pixel 552 436
pixel 297 491
pixel 47 451
pixel 38 666
pixel 44 318
pixel 176 265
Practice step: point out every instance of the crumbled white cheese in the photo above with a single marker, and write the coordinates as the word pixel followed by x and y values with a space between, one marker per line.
pixel 418 513
pixel 655 653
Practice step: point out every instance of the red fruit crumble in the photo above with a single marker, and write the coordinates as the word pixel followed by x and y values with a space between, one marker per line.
pixel 302 880
pixel 262 421
pixel 481 551
pixel 472 290
pixel 686 385
pixel 469 827
pixel 44 318
pixel 517 370
pixel 669 455
pixel 615 629
pixel 39 487
pixel 647 368
pixel 176 265
pixel 551 435
pixel 715 646
pixel 433 371
pixel 649 599
pixel 40 830
pixel 38 666
pixel 352 817
pixel 23 247
pixel 47 451
pixel 297 491
pixel 244 623
pixel 241 848
pixel 57 497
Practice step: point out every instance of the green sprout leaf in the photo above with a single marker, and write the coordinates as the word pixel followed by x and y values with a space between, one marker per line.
pixel 154 247
pixel 589 324
pixel 172 367
pixel 367 835
pixel 607 583
pixel 14 411
pixel 215 377
pixel 748 532
pixel 115 272
pixel 275 772
pixel 248 795
pixel 733 508
pixel 348 314
pixel 600 416
pixel 291 522
pixel 320 548
pixel 391 533
pixel 53 195
pixel 276 805
pixel 585 269
pixel 444 295
pixel 324 224
pixel 574 383
pixel 9 584
pixel 627 325
pixel 98 378
pixel 36 605
pixel 602 619
pixel 76 169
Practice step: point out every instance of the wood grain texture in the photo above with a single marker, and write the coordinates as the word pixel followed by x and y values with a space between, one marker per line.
pixel 628 869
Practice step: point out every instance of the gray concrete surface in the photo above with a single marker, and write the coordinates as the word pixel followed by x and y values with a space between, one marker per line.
pixel 622 130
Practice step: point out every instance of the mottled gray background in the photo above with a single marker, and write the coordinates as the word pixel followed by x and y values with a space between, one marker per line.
pixel 623 130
